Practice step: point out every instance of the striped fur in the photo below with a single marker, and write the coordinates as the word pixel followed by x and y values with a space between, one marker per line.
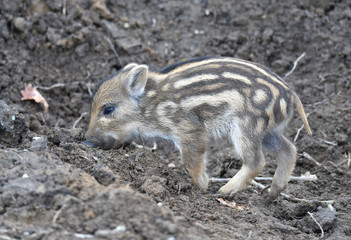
pixel 190 103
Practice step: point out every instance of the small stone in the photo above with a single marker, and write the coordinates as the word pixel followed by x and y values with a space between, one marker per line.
pixel 111 28
pixel 100 7
pixel 154 186
pixel 329 88
pixel 129 45
pixel 121 228
pixel 103 175
pixel 167 225
pixel 21 24
pixel 42 26
pixel 4 31
pixel 55 37
pixel 31 42
pixel 82 49
pixel 326 218
pixel 126 25
pixel 267 34
pixel 341 138
pixel 39 144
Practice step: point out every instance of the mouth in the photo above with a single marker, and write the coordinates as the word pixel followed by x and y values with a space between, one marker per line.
pixel 105 142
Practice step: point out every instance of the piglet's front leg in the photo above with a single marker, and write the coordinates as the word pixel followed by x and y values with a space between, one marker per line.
pixel 193 153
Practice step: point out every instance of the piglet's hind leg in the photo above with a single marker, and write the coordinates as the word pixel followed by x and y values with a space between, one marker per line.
pixel 253 162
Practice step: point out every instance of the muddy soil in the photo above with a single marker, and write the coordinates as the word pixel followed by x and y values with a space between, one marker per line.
pixel 54 187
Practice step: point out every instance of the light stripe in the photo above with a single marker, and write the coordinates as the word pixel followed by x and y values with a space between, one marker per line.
pixel 223 60
pixel 270 114
pixel 151 93
pixel 233 97
pixel 283 105
pixel 274 90
pixel 252 109
pixel 259 125
pixel 198 78
pixel 166 87
pixel 260 96
pixel 264 72
pixel 238 77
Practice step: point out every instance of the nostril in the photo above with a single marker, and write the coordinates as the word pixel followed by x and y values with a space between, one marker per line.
pixel 90 144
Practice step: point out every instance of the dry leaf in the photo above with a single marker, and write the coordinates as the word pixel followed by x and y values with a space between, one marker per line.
pixel 31 93
pixel 232 204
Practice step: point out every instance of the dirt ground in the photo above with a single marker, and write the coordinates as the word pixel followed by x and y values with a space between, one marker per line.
pixel 54 187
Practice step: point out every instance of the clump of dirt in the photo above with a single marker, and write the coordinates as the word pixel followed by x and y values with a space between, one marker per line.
pixel 54 187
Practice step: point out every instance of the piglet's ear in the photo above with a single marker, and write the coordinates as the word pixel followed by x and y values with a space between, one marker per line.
pixel 135 80
pixel 130 66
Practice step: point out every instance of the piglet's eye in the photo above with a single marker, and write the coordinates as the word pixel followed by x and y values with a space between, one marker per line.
pixel 108 110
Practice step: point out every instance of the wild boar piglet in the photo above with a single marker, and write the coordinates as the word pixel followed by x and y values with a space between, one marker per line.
pixel 192 102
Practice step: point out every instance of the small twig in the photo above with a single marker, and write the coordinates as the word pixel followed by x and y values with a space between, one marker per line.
pixel 88 84
pixel 300 129
pixel 89 90
pixel 324 76
pixel 57 123
pixel 88 75
pixel 249 236
pixel 292 178
pixel 57 214
pixel 298 132
pixel 329 142
pixel 83 236
pixel 6 237
pixel 114 51
pixel 15 154
pixel 295 64
pixel 64 8
pixel 324 100
pixel 78 120
pixel 322 231
pixel 258 185
pixel 347 160
pixel 42 118
pixel 56 85
pixel 51 87
pixel 309 157
pixel 294 199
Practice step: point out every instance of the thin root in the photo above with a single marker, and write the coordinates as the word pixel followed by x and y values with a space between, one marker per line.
pixel 114 51
pixel 295 64
pixel 79 119
pixel 322 231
